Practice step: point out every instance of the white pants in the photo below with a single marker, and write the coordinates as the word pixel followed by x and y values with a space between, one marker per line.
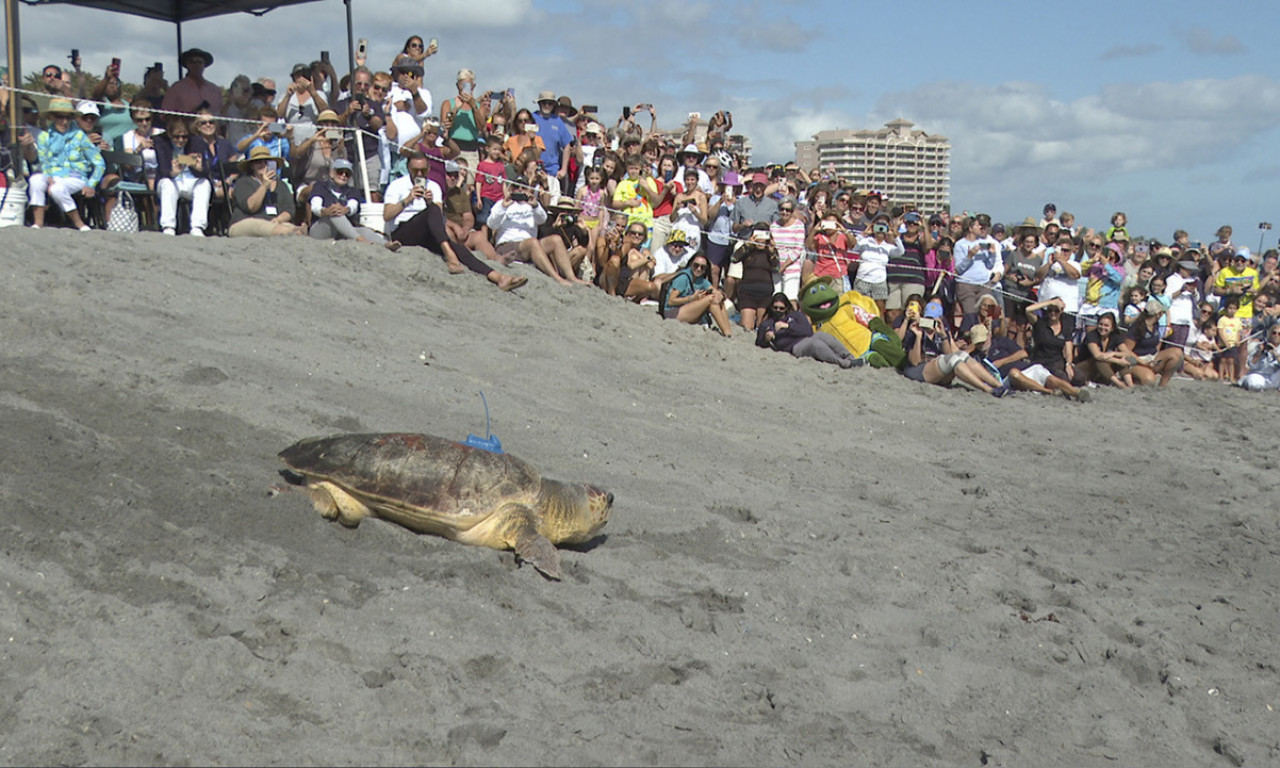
pixel 198 191
pixel 60 188
pixel 1259 382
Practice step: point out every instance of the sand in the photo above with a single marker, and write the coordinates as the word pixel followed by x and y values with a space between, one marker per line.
pixel 804 565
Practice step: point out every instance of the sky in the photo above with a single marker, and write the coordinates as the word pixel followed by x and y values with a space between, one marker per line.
pixel 1168 111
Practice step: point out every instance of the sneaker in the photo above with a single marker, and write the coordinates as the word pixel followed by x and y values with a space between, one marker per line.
pixel 1000 391
pixel 197 233
pixel 35 226
pixel 169 231
pixel 86 228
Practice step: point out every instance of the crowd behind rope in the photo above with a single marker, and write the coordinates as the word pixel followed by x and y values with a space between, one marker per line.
pixel 676 219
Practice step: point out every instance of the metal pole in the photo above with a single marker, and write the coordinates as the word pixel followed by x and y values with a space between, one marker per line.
pixel 12 38
pixel 181 74
pixel 351 49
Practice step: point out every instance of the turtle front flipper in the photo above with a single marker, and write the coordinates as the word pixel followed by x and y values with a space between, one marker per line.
pixel 334 503
pixel 517 528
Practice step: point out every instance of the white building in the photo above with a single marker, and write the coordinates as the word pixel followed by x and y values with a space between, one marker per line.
pixel 907 165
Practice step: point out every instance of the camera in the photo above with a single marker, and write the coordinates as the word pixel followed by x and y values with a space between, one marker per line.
pixel 186 160
pixel 928 324
pixel 519 196
pixel 333 134
pixel 568 219
pixel 276 129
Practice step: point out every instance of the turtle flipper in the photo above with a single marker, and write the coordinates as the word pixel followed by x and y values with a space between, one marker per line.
pixel 538 551
pixel 518 529
pixel 333 503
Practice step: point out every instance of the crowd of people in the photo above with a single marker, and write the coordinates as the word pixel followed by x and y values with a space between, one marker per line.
pixel 675 219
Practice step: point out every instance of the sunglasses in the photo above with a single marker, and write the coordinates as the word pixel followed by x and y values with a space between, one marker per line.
pixel 698 265
pixel 415 45
pixel 635 233
pixel 141 119
pixel 342 171
pixel 787 209
pixel 203 123
pixel 51 74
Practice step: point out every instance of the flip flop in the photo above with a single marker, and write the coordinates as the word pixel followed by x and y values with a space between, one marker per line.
pixel 513 284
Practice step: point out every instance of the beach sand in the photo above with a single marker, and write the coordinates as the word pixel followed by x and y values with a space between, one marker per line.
pixel 804 565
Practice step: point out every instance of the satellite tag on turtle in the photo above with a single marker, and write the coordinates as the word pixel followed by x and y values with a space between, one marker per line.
pixel 489 443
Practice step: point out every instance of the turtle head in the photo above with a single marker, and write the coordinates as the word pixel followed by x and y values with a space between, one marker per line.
pixel 572 513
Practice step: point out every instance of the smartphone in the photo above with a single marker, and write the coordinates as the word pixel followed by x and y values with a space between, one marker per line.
pixel 626 113
pixel 333 134
pixel 324 56
pixel 511 92
pixel 494 95
pixel 362 48
pixel 592 108
pixel 75 54
pixel 434 44
pixel 115 65
pixel 160 66
pixel 277 129
pixel 420 182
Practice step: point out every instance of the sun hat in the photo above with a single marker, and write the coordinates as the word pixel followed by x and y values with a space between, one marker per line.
pixel 546 96
pixel 187 54
pixel 978 334
pixel 732 179
pixel 328 114
pixel 1154 307
pixel 60 107
pixel 255 154
pixel 677 237
pixel 564 102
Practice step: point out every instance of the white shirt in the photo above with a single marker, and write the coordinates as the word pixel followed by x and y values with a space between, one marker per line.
pixel 665 263
pixel 1057 284
pixel 874 258
pixel 515 221
pixel 399 191
pixel 1181 306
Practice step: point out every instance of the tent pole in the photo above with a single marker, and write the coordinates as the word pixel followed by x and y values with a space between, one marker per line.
pixel 351 49
pixel 12 40
pixel 181 74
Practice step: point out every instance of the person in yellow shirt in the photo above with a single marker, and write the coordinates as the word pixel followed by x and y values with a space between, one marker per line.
pixel 1238 279
pixel 635 193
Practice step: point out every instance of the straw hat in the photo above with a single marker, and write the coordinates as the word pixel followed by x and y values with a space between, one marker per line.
pixel 255 154
pixel 59 107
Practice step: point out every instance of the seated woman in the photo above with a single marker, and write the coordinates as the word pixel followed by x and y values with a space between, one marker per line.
pixel 180 174
pixel 1263 372
pixel 415 218
pixel 786 330
pixel 934 358
pixel 261 203
pixel 1011 361
pixel 312 157
pixel 637 275
pixel 335 207
pixel 1142 347
pixel 1102 361
pixel 70 164
pixel 214 151
pixel 1202 345
pixel 514 222
pixel 692 299
pixel 1052 332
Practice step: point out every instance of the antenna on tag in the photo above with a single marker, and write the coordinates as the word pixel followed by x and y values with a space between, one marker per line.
pixel 490 441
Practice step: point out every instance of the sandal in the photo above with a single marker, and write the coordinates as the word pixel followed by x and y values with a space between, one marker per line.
pixel 512 283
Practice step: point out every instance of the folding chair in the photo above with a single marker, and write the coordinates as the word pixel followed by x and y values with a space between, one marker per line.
pixel 129 164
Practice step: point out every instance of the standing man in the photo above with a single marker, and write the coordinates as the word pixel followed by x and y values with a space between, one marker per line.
pixel 556 136
pixel 979 267
pixel 754 208
pixel 364 113
pixel 190 92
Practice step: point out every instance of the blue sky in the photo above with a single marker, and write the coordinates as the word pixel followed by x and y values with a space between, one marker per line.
pixel 1168 111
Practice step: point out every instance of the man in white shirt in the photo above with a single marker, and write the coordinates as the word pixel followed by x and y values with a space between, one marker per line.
pixel 673 254
pixel 1059 276
pixel 415 218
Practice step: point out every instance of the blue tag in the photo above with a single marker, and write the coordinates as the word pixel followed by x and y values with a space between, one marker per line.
pixel 490 443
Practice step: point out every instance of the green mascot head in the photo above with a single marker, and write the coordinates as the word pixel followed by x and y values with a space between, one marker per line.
pixel 819 300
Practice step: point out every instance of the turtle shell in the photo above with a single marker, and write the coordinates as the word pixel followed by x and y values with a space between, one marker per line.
pixel 439 485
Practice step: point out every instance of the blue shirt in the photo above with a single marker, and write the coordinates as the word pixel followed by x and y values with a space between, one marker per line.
pixel 555 136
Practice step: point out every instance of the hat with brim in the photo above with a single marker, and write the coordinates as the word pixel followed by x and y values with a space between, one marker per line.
pixel 342 165
pixel 760 179
pixel 566 205
pixel 60 107
pixel 546 96
pixel 88 108
pixel 978 334
pixel 566 103
pixel 732 179
pixel 1154 308
pixel 691 149
pixel 196 52
pixel 256 154
pixel 328 115
pixel 1188 265
pixel 1029 226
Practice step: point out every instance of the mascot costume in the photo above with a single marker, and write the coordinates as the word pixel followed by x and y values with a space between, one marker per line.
pixel 854 320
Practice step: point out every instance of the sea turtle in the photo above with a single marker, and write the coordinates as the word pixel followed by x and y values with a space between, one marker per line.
pixel 433 485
